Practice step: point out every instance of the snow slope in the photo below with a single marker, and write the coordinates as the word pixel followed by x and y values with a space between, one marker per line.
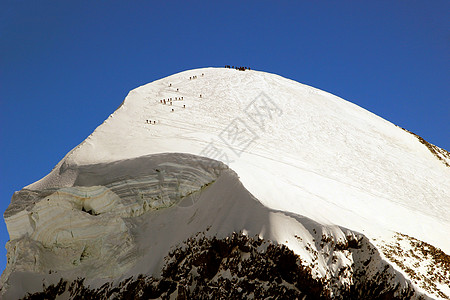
pixel 303 156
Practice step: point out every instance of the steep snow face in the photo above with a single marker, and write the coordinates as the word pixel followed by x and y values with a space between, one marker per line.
pixel 303 156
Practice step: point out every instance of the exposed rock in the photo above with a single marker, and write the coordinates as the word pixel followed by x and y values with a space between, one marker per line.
pixel 238 267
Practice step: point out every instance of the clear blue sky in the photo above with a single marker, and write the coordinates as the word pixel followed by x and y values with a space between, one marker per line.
pixel 66 65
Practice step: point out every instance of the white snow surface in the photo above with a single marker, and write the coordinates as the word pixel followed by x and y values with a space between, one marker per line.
pixel 297 151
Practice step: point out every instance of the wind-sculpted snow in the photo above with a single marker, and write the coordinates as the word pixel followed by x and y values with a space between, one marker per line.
pixel 127 187
pixel 58 228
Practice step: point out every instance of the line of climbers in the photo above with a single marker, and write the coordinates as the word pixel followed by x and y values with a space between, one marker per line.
pixel 169 100
pixel 237 68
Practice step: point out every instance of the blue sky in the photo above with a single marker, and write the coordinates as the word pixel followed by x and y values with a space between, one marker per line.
pixel 65 66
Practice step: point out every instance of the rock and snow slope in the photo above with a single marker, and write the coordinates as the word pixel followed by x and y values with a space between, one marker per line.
pixel 263 155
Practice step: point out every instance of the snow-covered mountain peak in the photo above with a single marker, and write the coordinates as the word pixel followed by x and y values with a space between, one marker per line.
pixel 299 160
